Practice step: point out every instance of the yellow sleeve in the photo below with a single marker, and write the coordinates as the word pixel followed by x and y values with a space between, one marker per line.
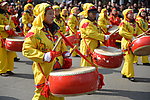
pixel 25 18
pixel 124 31
pixel 72 24
pixel 91 31
pixel 29 50
pixel 102 24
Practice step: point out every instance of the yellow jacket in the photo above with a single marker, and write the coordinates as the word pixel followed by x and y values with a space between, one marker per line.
pixel 73 23
pixel 5 20
pixel 91 37
pixel 103 21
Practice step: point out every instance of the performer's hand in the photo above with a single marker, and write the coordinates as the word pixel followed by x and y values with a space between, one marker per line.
pixel 7 27
pixel 29 25
pixel 107 37
pixel 109 26
pixel 47 56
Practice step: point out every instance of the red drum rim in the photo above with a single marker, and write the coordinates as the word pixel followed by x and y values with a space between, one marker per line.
pixel 72 71
pixel 141 37
pixel 142 54
pixel 17 38
pixel 114 51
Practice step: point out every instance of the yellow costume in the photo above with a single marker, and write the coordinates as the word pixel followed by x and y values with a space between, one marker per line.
pixel 27 18
pixel 64 15
pixel 6 57
pixel 59 20
pixel 73 24
pixel 143 24
pixel 91 37
pixel 127 30
pixel 38 42
pixel 103 21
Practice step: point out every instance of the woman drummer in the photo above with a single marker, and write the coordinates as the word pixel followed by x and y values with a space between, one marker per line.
pixel 127 29
pixel 38 46
pixel 143 26
pixel 90 34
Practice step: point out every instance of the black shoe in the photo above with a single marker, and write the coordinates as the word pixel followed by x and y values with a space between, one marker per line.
pixel 16 59
pixel 77 56
pixel 123 76
pixel 146 64
pixel 137 64
pixel 10 72
pixel 4 74
pixel 132 79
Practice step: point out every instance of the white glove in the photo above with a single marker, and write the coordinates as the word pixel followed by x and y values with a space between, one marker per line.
pixel 108 26
pixel 7 27
pixel 29 25
pixel 47 57
pixel 133 38
pixel 107 37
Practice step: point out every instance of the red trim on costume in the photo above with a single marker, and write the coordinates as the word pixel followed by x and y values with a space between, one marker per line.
pixel 85 25
pixel 48 8
pixel 29 34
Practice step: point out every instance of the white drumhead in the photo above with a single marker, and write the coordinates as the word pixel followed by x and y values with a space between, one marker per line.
pixel 17 38
pixel 108 51
pixel 72 71
pixel 113 29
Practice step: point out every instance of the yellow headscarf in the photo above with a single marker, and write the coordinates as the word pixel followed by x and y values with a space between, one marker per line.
pixel 85 7
pixel 62 12
pixel 125 12
pixel 56 7
pixel 141 10
pixel 73 10
pixel 27 5
pixel 40 13
pixel 102 13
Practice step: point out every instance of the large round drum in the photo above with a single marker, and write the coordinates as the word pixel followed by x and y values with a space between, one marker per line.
pixel 73 81
pixel 116 35
pixel 108 57
pixel 73 39
pixel 141 46
pixel 14 43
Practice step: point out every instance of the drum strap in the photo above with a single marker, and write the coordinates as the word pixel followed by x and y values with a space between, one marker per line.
pixel 45 89
pixel 88 52
pixel 129 46
pixel 2 41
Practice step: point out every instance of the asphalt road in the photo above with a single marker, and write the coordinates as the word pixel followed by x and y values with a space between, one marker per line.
pixel 21 85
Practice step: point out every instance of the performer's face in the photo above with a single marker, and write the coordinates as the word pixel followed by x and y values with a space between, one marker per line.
pixel 130 15
pixel 49 16
pixel 143 14
pixel 56 12
pixel 92 15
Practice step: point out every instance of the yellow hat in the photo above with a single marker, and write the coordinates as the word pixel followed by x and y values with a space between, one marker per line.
pixel 27 5
pixel 56 7
pixel 40 13
pixel 127 11
pixel 141 10
pixel 73 10
pixel 102 13
pixel 63 11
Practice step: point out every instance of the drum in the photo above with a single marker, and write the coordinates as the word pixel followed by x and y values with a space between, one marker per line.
pixel 116 35
pixel 14 43
pixel 73 39
pixel 73 81
pixel 141 46
pixel 107 57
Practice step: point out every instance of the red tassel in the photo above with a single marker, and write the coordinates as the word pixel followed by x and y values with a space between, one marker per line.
pixel 46 90
pixel 101 81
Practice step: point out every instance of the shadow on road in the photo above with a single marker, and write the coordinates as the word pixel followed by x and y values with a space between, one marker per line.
pixel 27 62
pixel 7 98
pixel 20 75
pixel 108 71
pixel 134 95
pixel 145 80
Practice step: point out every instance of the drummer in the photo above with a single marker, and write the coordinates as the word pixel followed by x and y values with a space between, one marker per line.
pixel 114 19
pixel 6 29
pixel 38 46
pixel 143 26
pixel 58 19
pixel 73 24
pixel 90 34
pixel 27 18
pixel 128 28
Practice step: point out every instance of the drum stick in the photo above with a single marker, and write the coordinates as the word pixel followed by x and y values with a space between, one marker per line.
pixel 75 47
pixel 114 32
pixel 143 33
pixel 58 41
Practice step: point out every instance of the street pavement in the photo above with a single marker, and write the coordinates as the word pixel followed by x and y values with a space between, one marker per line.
pixel 21 85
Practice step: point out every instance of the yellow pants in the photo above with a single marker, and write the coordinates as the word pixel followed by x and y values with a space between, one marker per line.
pixel 6 60
pixel 37 96
pixel 144 59
pixel 128 69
